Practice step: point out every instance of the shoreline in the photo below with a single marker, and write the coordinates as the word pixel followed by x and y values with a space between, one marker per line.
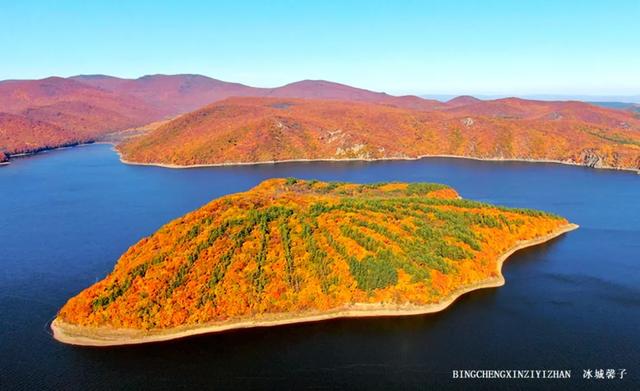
pixel 94 336
pixel 45 150
pixel 333 160
pixel 325 160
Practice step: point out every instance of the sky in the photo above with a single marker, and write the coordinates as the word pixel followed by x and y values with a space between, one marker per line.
pixel 401 47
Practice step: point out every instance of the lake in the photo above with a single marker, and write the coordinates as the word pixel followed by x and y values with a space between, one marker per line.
pixel 572 303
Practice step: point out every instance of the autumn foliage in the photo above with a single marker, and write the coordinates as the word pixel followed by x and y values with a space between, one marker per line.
pixel 19 134
pixel 87 107
pixel 334 121
pixel 293 246
pixel 54 112
pixel 239 130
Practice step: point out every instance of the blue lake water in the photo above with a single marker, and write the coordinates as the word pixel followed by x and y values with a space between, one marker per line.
pixel 573 303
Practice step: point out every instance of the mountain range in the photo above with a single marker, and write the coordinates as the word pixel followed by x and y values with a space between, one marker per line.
pixel 217 122
pixel 83 108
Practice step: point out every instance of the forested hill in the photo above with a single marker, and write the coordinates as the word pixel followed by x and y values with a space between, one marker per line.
pixel 246 130
pixel 291 247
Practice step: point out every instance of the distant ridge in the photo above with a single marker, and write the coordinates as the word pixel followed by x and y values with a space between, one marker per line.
pixel 632 107
pixel 546 97
pixel 181 93
pixel 462 100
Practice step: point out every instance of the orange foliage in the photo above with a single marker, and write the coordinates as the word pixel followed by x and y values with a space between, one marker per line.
pixel 55 112
pixel 19 134
pixel 240 130
pixel 292 246
pixel 331 124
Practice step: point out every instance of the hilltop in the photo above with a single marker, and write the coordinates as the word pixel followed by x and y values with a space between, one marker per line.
pixel 463 100
pixel 297 250
pixel 250 130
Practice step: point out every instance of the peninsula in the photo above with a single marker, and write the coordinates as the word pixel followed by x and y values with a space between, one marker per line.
pixel 294 250
pixel 268 130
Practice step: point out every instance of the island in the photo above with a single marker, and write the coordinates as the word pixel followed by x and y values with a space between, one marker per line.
pixel 292 250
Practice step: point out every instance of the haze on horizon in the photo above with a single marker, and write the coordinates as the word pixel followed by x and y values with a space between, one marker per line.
pixel 493 48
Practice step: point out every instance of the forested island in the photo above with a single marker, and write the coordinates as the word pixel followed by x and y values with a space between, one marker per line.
pixel 294 250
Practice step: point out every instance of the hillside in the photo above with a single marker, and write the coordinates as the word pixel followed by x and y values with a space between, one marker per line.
pixel 55 99
pixel 92 106
pixel 176 94
pixel 245 130
pixel 19 134
pixel 516 108
pixel 53 112
pixel 289 249
pixel 631 107
pixel 171 94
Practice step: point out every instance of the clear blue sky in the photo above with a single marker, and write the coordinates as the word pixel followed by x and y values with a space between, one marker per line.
pixel 481 47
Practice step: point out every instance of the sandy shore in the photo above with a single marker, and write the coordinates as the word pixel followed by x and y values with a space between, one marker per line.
pixel 178 166
pixel 94 336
